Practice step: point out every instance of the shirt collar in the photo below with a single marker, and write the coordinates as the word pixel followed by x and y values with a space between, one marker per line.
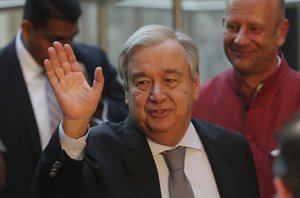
pixel 260 86
pixel 29 66
pixel 236 82
pixel 278 60
pixel 191 140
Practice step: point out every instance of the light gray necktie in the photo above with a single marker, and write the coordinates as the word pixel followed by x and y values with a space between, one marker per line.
pixel 179 185
pixel 55 114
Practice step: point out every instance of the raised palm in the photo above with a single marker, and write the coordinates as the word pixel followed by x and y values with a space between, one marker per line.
pixel 76 98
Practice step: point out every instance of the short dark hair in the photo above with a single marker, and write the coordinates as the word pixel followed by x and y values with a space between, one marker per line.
pixel 287 164
pixel 38 12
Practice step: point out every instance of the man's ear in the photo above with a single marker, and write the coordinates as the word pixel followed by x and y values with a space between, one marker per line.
pixel 26 27
pixel 281 189
pixel 126 97
pixel 196 87
pixel 282 31
pixel 223 21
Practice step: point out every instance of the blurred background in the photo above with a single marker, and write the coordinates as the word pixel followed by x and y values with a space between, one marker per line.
pixel 109 23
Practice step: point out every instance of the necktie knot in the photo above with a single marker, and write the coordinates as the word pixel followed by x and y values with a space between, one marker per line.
pixel 175 158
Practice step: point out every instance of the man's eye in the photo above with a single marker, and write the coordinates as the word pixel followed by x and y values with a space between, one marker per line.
pixel 142 84
pixel 232 28
pixel 169 80
pixel 255 29
pixel 171 83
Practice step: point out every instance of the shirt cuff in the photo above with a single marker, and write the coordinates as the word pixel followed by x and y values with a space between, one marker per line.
pixel 73 147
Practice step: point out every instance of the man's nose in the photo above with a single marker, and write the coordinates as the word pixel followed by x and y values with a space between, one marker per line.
pixel 242 37
pixel 158 93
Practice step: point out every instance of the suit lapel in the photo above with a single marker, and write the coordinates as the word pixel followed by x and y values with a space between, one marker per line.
pixel 140 163
pixel 219 160
pixel 21 96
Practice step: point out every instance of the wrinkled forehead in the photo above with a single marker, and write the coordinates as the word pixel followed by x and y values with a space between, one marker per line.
pixel 164 57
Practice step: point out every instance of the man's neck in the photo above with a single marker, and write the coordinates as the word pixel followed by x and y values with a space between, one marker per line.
pixel 252 83
pixel 251 86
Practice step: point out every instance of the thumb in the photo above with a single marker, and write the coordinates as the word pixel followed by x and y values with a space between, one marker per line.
pixel 98 81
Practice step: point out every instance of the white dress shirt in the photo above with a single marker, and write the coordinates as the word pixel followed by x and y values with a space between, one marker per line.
pixel 197 167
pixel 35 80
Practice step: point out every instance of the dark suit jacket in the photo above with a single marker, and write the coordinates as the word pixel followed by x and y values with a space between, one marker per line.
pixel 119 163
pixel 18 127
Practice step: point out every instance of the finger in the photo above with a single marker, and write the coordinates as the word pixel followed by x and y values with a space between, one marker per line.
pixel 98 81
pixel 49 69
pixel 62 56
pixel 50 72
pixel 55 62
pixel 72 58
pixel 55 59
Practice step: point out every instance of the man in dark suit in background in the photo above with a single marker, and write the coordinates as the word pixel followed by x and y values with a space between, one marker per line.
pixel 160 73
pixel 24 123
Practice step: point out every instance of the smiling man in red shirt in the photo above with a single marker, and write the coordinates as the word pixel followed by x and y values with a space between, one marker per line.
pixel 260 92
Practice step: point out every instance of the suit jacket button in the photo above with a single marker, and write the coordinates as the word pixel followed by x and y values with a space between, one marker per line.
pixel 52 174
pixel 56 165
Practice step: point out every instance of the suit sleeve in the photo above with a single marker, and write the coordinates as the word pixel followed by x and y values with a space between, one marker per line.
pixel 57 175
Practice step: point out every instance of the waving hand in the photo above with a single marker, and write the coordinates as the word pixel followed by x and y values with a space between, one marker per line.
pixel 76 98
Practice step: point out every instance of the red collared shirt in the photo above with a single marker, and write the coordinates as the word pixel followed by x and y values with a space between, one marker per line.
pixel 222 102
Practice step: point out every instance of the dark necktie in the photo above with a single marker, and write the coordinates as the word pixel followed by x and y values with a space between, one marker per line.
pixel 179 185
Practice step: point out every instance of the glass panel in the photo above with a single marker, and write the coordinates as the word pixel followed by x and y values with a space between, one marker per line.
pixel 202 20
pixel 125 17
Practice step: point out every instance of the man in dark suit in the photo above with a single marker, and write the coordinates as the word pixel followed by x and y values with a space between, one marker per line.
pixel 24 123
pixel 160 73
